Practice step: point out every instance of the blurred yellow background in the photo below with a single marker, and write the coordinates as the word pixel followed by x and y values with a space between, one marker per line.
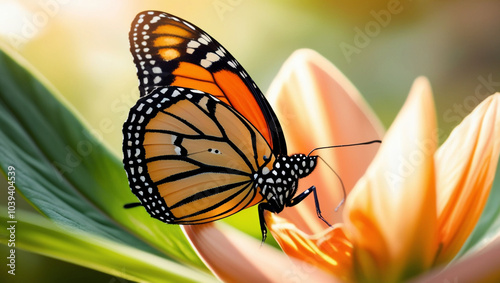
pixel 82 48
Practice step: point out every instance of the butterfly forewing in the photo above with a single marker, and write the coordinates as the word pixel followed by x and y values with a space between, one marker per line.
pixel 169 51
pixel 191 158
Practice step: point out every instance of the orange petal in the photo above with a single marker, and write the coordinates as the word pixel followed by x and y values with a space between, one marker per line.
pixel 329 250
pixel 481 266
pixel 391 212
pixel 465 168
pixel 317 106
pixel 235 257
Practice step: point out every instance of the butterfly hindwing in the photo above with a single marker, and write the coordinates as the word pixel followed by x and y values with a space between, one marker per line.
pixel 169 51
pixel 190 158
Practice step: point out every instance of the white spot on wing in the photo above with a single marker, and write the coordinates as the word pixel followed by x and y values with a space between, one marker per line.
pixel 193 44
pixel 206 37
pixel 219 52
pixel 177 150
pixel 212 57
pixel 205 63
pixel 155 19
pixel 231 63
pixel 202 41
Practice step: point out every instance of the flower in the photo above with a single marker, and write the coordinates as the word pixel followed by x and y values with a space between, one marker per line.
pixel 411 204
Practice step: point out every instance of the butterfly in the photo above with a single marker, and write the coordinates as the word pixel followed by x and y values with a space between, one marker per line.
pixel 202 142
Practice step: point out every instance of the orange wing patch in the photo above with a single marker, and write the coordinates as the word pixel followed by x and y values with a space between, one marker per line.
pixel 243 102
pixel 215 207
pixel 168 40
pixel 171 29
pixel 173 37
pixel 190 70
pixel 193 76
pixel 159 169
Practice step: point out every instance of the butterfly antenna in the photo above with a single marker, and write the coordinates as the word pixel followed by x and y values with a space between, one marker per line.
pixel 344 145
pixel 341 183
pixel 340 179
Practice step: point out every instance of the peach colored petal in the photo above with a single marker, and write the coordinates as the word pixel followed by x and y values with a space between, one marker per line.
pixel 235 257
pixel 481 266
pixel 390 214
pixel 318 106
pixel 329 250
pixel 465 168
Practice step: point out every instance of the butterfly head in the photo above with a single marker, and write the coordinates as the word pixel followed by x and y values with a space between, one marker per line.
pixel 279 184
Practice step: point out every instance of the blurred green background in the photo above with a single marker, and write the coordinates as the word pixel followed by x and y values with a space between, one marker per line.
pixel 81 47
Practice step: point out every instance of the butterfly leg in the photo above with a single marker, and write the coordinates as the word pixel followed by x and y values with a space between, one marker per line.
pixel 296 200
pixel 262 220
pixel 132 205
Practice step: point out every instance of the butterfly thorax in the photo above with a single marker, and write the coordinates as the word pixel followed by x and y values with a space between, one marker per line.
pixel 279 184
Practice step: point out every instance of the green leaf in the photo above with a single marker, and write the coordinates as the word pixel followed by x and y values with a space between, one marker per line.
pixel 68 174
pixel 36 233
pixel 488 225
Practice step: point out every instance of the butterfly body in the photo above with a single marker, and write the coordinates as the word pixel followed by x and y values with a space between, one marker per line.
pixel 202 142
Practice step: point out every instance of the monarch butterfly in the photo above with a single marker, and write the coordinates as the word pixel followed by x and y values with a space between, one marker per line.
pixel 202 142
